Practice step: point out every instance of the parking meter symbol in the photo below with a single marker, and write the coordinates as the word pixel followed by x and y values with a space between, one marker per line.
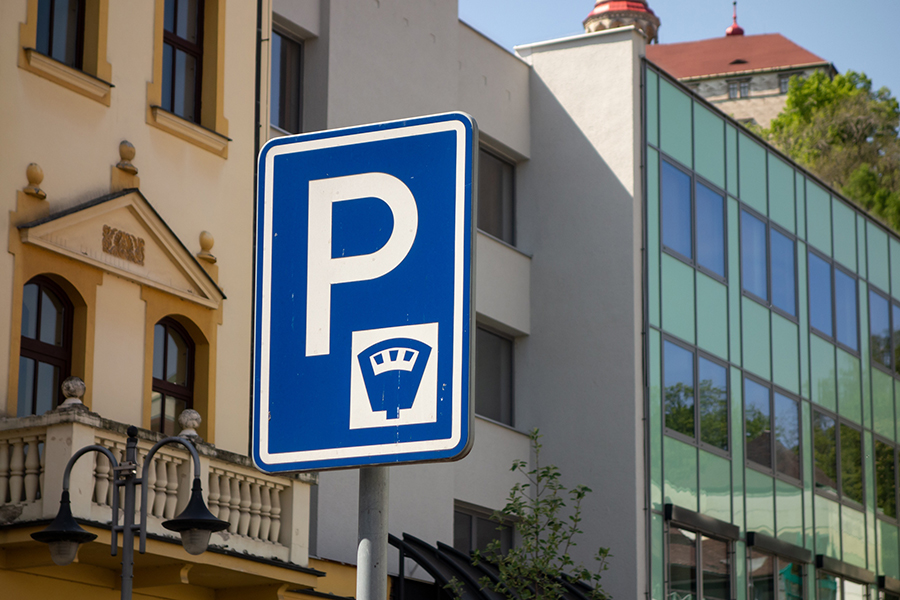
pixel 392 371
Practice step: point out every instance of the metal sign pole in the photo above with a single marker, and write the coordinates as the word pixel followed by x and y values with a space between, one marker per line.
pixel 371 553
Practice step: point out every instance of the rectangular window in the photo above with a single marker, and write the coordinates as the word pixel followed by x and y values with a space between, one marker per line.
pixel 493 376
pixel 693 229
pixel 745 89
pixel 698 412
pixel 60 31
pixel 182 58
pixel 774 578
pixel 772 430
pixel 496 197
pixel 732 90
pixel 287 78
pixel 687 549
pixel 768 265
pixel 838 458
pixel 475 529
pixel 784 84
pixel 833 302
pixel 886 479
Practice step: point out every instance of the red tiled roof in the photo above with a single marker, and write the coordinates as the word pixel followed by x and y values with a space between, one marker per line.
pixel 730 54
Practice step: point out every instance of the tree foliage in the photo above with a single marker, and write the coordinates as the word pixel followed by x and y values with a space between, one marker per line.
pixel 847 134
pixel 546 516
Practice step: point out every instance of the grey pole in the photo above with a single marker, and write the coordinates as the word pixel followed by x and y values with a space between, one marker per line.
pixel 129 468
pixel 371 554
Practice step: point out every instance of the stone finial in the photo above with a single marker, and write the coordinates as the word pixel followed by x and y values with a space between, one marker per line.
pixel 73 390
pixel 206 244
pixel 35 175
pixel 126 154
pixel 190 420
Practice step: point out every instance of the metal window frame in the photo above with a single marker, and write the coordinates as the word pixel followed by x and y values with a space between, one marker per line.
pixel 769 226
pixel 702 526
pixel 838 421
pixel 896 487
pixel 484 147
pixel 293 39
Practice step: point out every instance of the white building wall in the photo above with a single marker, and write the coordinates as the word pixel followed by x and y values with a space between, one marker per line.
pixel 580 371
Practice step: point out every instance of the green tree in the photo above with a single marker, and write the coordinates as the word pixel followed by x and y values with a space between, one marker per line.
pixel 847 134
pixel 532 569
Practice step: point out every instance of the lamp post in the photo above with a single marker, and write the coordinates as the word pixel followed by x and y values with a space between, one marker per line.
pixel 195 523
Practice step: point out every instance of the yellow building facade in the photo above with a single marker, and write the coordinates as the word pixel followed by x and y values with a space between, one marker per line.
pixel 128 135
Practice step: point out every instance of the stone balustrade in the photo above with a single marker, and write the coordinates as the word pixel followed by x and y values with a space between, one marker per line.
pixel 268 515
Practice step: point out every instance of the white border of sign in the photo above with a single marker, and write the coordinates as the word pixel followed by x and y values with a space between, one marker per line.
pixel 460 255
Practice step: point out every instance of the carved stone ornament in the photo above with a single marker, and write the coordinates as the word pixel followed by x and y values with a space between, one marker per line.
pixel 190 420
pixel 123 245
pixel 73 389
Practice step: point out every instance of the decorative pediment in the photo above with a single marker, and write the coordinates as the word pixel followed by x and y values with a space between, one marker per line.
pixel 122 234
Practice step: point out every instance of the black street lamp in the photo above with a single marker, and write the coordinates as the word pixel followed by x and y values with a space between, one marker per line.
pixel 195 523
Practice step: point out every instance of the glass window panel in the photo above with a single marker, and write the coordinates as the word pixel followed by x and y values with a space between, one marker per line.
pixel 716 569
pixel 159 345
pixel 787 436
pixel 827 586
pixel 885 479
pixel 30 310
pixel 710 230
pixel 895 314
pixel 177 359
pixel 676 209
pixel 25 405
pixel 47 388
pixel 462 531
pixel 275 110
pixel 713 404
pixel 168 66
pixel 790 581
pixel 64 42
pixel 169 16
pixel 156 406
pixel 682 563
pixel 845 309
pixel 757 423
pixel 185 85
pixel 186 20
pixel 879 329
pixel 820 294
pixel 168 416
pixel 753 255
pixel 851 464
pixel 825 452
pixel 495 196
pixel 678 379
pixel 52 319
pixel 42 44
pixel 784 288
pixel 493 380
pixel 762 575
pixel 854 591
pixel 485 533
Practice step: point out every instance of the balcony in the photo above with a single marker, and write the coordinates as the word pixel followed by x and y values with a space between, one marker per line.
pixel 265 545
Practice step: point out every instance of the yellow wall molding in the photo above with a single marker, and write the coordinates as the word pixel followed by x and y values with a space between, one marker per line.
pixel 93 81
pixel 190 132
pixel 212 134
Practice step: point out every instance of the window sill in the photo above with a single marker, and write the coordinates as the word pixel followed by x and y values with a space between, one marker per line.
pixel 190 132
pixel 66 76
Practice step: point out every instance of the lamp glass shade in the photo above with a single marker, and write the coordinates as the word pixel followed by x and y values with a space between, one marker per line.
pixel 63 552
pixel 195 541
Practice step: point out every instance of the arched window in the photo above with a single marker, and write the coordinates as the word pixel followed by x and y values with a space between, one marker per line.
pixel 173 375
pixel 46 346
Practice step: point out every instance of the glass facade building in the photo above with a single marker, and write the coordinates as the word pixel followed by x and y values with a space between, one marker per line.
pixel 773 368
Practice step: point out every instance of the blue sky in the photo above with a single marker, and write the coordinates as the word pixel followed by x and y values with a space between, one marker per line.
pixel 862 35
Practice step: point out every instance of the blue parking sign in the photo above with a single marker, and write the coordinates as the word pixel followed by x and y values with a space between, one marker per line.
pixel 364 269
